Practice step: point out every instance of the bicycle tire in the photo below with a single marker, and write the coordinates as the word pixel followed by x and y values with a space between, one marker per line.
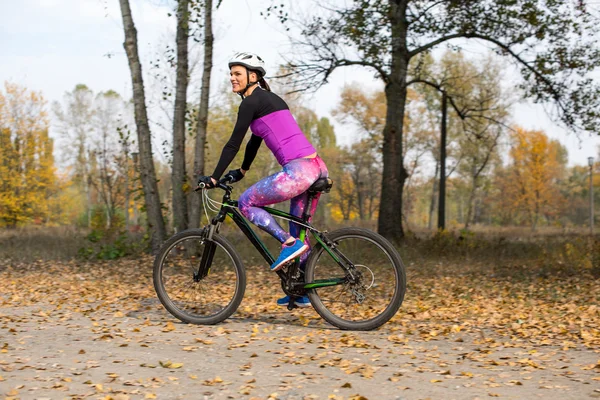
pixel 360 250
pixel 206 292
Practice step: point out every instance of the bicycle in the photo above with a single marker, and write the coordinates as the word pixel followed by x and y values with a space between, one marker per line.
pixel 339 277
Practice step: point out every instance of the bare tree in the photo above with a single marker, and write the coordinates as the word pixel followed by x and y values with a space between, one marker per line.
pixel 108 181
pixel 200 143
pixel 75 126
pixel 178 174
pixel 147 171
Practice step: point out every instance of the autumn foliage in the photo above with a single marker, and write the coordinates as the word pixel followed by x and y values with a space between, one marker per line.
pixel 530 182
pixel 29 183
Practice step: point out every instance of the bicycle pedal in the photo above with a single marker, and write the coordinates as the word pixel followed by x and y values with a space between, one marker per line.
pixel 291 305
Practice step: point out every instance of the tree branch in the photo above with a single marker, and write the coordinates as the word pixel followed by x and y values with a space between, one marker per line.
pixel 504 47
pixel 439 89
pixel 424 12
pixel 434 43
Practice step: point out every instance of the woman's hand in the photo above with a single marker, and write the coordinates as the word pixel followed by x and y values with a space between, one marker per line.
pixel 208 181
pixel 236 175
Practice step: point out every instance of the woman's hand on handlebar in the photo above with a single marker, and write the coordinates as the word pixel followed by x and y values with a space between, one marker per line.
pixel 206 182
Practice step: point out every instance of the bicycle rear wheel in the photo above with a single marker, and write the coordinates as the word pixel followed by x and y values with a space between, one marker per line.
pixel 191 295
pixel 378 292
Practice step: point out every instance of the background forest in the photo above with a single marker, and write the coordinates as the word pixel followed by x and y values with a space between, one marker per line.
pixel 499 177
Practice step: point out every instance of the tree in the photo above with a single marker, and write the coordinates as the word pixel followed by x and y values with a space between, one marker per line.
pixel 75 118
pixel 110 171
pixel 200 141
pixel 551 42
pixel 361 161
pixel 178 177
pixel 26 160
pixel 537 164
pixel 482 108
pixel 147 171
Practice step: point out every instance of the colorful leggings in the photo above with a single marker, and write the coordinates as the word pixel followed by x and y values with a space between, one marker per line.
pixel 290 184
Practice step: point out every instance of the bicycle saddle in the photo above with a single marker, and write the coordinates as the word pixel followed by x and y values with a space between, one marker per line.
pixel 321 185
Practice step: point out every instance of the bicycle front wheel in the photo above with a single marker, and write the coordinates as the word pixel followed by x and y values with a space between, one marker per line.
pixel 193 295
pixel 374 297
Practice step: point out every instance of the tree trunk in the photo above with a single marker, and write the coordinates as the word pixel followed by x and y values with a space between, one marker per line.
pixel 88 199
pixel 434 197
pixel 178 174
pixel 360 193
pixel 148 175
pixel 394 173
pixel 471 204
pixel 199 148
pixel 126 208
pixel 442 201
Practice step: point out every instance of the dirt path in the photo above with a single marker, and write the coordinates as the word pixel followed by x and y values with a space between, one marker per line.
pixel 48 353
pixel 93 334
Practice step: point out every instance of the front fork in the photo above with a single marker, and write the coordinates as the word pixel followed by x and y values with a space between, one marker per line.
pixel 209 252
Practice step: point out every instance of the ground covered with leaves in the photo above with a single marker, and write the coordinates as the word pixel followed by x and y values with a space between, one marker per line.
pixel 96 330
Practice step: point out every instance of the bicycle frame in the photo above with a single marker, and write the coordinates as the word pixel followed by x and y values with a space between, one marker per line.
pixel 229 208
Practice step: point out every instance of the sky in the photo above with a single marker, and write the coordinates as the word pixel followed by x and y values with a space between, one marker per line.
pixel 53 45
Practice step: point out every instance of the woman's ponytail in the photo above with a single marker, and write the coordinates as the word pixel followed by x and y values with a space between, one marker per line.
pixel 263 84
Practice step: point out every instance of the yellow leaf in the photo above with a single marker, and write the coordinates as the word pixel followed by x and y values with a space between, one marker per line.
pixel 168 327
pixel 150 396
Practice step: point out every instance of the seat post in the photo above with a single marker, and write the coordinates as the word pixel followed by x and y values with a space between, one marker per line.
pixel 306 215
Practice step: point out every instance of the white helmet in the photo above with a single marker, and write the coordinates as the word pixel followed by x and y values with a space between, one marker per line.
pixel 250 61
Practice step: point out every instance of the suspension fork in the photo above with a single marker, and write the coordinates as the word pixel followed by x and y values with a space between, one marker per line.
pixel 208 254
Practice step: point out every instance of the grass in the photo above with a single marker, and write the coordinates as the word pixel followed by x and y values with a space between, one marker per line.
pixel 41 243
pixel 501 252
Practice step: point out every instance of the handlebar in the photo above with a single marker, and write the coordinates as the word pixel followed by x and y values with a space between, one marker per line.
pixel 222 183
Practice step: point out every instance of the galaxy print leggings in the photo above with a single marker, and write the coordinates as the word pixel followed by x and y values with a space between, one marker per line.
pixel 290 184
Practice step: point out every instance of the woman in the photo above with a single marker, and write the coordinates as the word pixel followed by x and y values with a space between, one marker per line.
pixel 269 118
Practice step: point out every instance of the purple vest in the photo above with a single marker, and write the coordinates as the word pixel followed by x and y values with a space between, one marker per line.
pixel 283 136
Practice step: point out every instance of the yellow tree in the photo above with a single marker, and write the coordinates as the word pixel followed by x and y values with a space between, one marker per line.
pixel 537 163
pixel 26 160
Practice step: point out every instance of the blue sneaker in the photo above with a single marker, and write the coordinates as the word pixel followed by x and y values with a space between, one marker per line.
pixel 299 302
pixel 288 253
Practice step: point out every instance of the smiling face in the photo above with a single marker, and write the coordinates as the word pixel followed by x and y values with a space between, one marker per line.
pixel 239 78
